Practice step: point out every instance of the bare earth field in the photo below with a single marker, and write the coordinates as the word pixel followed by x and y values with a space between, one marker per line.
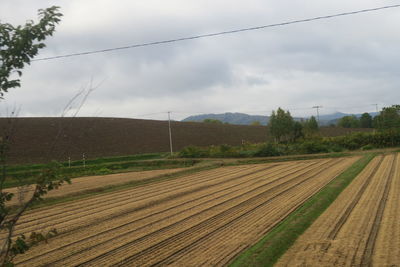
pixel 200 219
pixel 41 140
pixel 362 226
pixel 89 183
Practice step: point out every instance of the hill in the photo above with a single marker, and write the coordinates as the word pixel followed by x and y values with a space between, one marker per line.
pixel 246 119
pixel 36 140
pixel 231 118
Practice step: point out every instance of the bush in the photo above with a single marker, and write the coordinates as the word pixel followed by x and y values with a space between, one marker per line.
pixel 222 151
pixel 313 146
pixel 193 152
pixel 104 170
pixel 367 147
pixel 268 150
pixel 336 148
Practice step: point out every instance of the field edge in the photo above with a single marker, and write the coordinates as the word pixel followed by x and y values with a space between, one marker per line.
pixel 274 244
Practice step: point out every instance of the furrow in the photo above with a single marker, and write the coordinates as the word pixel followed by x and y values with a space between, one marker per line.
pixel 224 215
pixel 174 209
pixel 368 251
pixel 81 214
pixel 217 243
pixel 186 221
pixel 345 216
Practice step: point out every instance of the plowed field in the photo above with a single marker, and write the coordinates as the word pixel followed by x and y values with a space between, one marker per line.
pixel 88 183
pixel 41 140
pixel 200 219
pixel 362 226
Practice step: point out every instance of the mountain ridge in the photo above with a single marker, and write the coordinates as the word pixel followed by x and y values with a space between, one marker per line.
pixel 246 119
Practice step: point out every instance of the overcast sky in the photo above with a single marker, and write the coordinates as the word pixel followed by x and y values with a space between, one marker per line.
pixel 343 64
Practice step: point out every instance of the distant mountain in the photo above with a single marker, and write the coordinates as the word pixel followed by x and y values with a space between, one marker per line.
pixel 334 117
pixel 232 118
pixel 246 119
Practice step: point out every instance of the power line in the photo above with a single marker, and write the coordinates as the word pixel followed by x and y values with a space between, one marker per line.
pixel 215 34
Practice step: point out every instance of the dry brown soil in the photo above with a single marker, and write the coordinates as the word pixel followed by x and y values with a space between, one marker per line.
pixel 361 227
pixel 200 219
pixel 89 183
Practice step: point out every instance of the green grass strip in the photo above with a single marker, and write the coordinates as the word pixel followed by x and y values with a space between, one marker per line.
pixel 276 242
pixel 96 161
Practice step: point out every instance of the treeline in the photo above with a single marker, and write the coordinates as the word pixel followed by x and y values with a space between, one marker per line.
pixel 283 128
pixel 294 137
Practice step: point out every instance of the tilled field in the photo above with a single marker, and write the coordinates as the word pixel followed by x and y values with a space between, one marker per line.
pixel 89 183
pixel 362 226
pixel 200 219
pixel 41 140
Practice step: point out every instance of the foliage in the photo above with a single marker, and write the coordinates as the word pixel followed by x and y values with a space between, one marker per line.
pixel 366 120
pixel 269 150
pixel 313 147
pixel 349 122
pixel 281 125
pixel 298 131
pixel 388 119
pixel 352 141
pixel 18 45
pixel 367 147
pixel 311 127
pixel 47 180
pixel 193 152
pixel 255 123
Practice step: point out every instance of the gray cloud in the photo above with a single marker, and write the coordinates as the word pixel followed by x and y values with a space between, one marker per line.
pixel 344 64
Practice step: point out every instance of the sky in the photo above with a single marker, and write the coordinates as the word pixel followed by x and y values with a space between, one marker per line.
pixel 344 64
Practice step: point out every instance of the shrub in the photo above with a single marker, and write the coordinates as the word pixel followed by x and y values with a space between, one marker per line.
pixel 313 146
pixel 367 147
pixel 104 170
pixel 336 148
pixel 268 150
pixel 193 152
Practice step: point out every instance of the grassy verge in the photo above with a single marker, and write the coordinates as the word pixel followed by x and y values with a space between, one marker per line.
pixel 77 163
pixel 274 244
pixel 111 188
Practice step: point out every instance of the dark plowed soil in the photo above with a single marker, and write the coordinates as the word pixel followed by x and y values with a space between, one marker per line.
pixel 36 140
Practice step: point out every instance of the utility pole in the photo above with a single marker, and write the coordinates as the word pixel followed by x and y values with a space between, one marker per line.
pixel 376 106
pixel 377 114
pixel 317 107
pixel 169 128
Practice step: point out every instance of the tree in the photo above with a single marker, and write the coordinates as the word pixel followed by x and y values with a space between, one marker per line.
pixel 366 120
pixel 18 45
pixel 349 122
pixel 298 131
pixel 388 119
pixel 311 127
pixel 255 123
pixel 281 125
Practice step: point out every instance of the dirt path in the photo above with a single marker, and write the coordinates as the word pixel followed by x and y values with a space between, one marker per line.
pixel 204 218
pixel 361 228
